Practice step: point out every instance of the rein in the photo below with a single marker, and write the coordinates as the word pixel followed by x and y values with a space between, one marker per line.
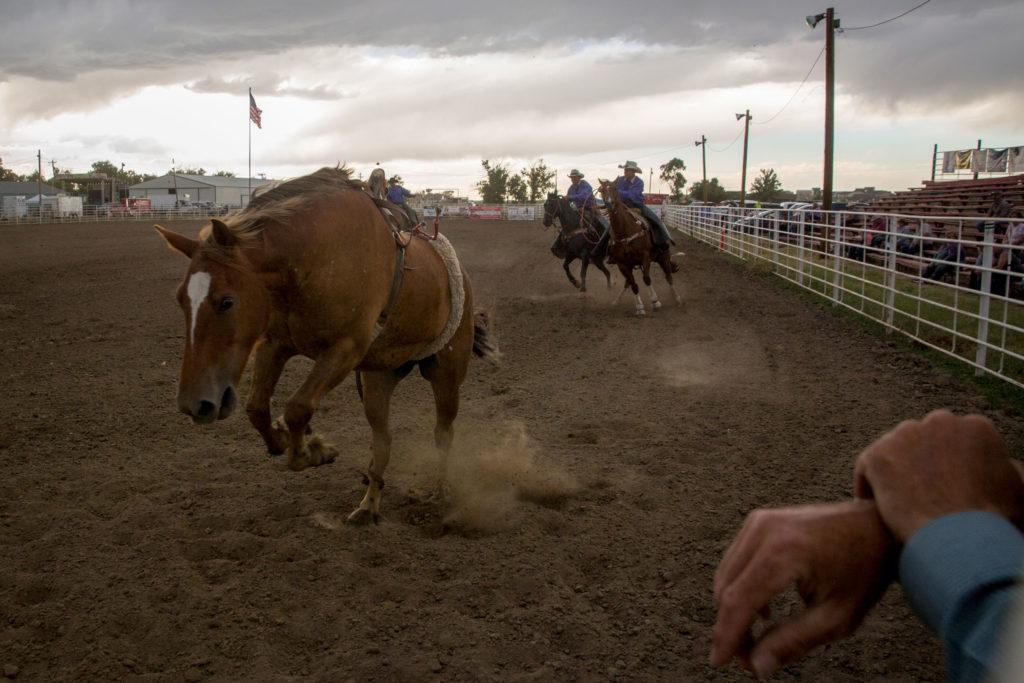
pixel 585 224
pixel 642 226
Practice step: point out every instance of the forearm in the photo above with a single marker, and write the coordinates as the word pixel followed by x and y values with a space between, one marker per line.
pixel 961 574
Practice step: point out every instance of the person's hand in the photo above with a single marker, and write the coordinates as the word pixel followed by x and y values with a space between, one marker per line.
pixel 840 557
pixel 922 470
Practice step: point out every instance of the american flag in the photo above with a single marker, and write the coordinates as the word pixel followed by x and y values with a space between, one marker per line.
pixel 254 112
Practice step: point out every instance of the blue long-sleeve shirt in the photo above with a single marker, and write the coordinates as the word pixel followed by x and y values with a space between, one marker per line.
pixel 397 194
pixel 962 573
pixel 581 194
pixel 631 192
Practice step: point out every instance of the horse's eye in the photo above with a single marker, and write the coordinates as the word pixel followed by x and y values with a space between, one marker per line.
pixel 225 304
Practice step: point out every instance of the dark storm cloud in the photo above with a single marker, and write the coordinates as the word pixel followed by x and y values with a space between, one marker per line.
pixel 947 49
pixel 265 84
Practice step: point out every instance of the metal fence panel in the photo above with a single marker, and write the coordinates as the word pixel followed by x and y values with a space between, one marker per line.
pixel 951 283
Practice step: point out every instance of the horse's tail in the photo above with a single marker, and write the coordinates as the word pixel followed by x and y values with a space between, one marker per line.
pixel 483 345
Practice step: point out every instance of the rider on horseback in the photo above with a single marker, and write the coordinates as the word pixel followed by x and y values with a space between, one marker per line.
pixel 397 195
pixel 631 191
pixel 581 194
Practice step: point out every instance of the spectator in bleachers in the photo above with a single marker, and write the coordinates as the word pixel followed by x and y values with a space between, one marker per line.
pixel 1007 261
pixel 946 260
pixel 908 242
pixel 1001 208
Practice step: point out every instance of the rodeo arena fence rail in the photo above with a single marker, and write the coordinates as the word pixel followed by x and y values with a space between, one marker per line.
pixel 952 284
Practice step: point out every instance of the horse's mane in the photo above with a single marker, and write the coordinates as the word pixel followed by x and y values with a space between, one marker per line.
pixel 285 200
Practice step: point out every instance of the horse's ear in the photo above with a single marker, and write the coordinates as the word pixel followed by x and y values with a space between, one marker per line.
pixel 222 234
pixel 179 243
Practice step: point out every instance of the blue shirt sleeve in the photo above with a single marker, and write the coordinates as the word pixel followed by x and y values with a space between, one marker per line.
pixel 582 195
pixel 632 192
pixel 961 574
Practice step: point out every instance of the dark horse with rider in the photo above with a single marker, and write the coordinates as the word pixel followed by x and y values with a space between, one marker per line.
pixel 584 231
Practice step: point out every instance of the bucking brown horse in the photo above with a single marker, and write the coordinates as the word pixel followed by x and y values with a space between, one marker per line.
pixel 312 268
pixel 631 247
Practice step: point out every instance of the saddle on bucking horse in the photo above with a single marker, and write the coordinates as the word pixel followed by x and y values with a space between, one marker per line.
pixel 397 217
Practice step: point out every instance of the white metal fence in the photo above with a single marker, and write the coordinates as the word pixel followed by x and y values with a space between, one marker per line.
pixel 94 214
pixel 951 283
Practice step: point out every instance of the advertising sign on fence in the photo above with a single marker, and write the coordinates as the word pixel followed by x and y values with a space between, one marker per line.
pixel 519 213
pixel 490 212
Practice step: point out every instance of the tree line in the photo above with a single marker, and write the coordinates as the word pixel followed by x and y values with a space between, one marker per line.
pixel 532 184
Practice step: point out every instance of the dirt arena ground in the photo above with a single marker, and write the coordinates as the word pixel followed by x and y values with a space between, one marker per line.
pixel 602 470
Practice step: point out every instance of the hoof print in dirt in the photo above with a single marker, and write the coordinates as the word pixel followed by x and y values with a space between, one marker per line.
pixel 362 517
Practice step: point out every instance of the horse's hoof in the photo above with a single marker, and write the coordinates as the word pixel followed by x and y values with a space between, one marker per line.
pixel 640 312
pixel 297 463
pixel 656 305
pixel 320 452
pixel 362 517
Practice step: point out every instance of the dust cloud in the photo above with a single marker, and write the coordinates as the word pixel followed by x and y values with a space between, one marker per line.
pixel 494 474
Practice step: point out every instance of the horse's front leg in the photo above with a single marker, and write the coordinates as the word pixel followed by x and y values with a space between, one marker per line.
pixel 267 367
pixel 329 370
pixel 565 266
pixel 626 276
pixel 646 269
pixel 583 272
pixel 607 275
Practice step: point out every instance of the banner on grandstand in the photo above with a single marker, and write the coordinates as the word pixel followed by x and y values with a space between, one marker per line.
pixel 1015 160
pixel 964 159
pixel 519 213
pixel 989 161
pixel 490 212
pixel 651 198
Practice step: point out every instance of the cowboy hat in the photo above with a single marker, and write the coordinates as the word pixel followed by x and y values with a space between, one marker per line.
pixel 574 173
pixel 631 166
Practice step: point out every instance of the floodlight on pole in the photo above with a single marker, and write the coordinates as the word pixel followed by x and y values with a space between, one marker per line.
pixel 813 19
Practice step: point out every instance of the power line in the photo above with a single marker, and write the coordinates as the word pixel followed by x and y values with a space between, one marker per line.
pixel 861 28
pixel 791 97
pixel 726 148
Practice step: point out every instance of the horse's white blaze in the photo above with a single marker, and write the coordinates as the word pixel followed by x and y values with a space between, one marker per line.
pixel 198 289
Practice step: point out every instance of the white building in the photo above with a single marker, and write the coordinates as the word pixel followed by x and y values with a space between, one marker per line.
pixel 192 189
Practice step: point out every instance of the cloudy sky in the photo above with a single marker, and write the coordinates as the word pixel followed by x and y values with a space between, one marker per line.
pixel 428 89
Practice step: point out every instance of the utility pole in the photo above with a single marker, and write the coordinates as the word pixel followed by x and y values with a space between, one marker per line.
pixel 831 24
pixel 703 143
pixel 174 175
pixel 830 86
pixel 650 181
pixel 39 180
pixel 935 159
pixel 975 164
pixel 743 176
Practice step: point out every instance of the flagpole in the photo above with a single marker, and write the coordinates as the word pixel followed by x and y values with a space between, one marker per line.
pixel 249 198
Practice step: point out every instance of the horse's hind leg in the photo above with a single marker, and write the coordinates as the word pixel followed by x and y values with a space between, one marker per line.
pixel 378 387
pixel 666 267
pixel 565 266
pixel 445 379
